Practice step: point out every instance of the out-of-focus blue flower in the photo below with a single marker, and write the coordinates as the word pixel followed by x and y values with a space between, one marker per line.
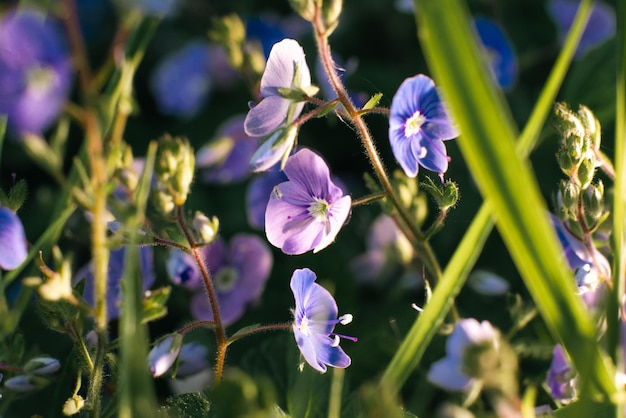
pixel 387 251
pixel 267 31
pixel 13 248
pixel 42 366
pixel 286 61
pixel 225 159
pixel 600 26
pixel 500 53
pixel 164 354
pixel 418 125
pixel 181 82
pixel 239 272
pixel 193 372
pixel 35 71
pixel 307 211
pixel 488 283
pixel 115 272
pixel 315 317
pixel 560 377
pixel 258 195
pixel 450 372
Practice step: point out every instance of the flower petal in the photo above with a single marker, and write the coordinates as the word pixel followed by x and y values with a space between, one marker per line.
pixel 267 116
pixel 447 374
pixel 338 214
pixel 13 249
pixel 281 64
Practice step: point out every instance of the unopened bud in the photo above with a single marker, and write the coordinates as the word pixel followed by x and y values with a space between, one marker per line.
pixel 205 228
pixel 73 405
pixel 569 192
pixel 164 354
pixel 174 169
pixel 305 8
pixel 42 366
pixel 593 201
pixel 591 126
pixel 586 171
pixel 26 383
pixel 331 9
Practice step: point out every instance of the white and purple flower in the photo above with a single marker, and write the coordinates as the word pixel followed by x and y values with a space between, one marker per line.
pixel 451 372
pixel 35 71
pixel 315 317
pixel 307 211
pixel 13 248
pixel 418 125
pixel 239 272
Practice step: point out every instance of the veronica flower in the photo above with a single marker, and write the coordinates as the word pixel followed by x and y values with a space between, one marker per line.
pixel 418 125
pixel 315 317
pixel 164 353
pixel 115 276
pixel 13 249
pixel 600 26
pixel 35 71
pixel 501 57
pixel 560 377
pixel 239 272
pixel 226 158
pixel 451 372
pixel 181 82
pixel 307 211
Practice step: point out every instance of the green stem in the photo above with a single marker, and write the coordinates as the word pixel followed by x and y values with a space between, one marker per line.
pixel 368 199
pixel 220 333
pixel 424 250
pixel 263 328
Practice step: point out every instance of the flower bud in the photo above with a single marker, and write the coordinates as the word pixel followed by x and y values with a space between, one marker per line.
pixel 73 405
pixel 445 195
pixel 305 8
pixel 593 201
pixel 331 9
pixel 205 229
pixel 567 198
pixel 591 126
pixel 164 354
pixel 42 366
pixel 586 171
pixel 174 169
pixel 26 383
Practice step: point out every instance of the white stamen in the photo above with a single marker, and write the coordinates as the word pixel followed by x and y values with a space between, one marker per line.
pixel 417 308
pixel 414 124
pixel 319 209
pixel 423 152
pixel 345 319
pixel 335 342
pixel 304 326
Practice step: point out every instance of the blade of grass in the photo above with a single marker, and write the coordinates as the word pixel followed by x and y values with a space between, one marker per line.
pixel 425 327
pixel 506 181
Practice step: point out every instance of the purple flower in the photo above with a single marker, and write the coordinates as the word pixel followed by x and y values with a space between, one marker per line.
pixel 181 83
pixel 600 26
pixel 560 377
pixel 226 158
pixel 307 211
pixel 418 125
pixel 502 59
pixel 164 354
pixel 451 371
pixel 115 272
pixel 35 71
pixel 258 195
pixel 315 317
pixel 239 272
pixel 286 69
pixel 13 249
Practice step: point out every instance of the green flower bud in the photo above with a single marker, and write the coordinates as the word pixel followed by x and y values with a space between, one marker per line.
pixel 205 229
pixel 569 192
pixel 591 126
pixel 445 195
pixel 305 8
pixel 586 171
pixel 42 366
pixel 331 9
pixel 174 169
pixel 566 120
pixel 593 202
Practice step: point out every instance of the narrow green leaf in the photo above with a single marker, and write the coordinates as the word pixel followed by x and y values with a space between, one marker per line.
pixel 372 102
pixel 506 181
pixel 138 398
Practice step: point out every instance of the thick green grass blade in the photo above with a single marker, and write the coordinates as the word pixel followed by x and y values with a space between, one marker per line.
pixel 137 389
pixel 420 335
pixel 507 182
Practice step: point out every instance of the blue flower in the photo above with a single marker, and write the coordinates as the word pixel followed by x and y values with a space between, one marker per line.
pixel 307 211
pixel 181 83
pixel 239 272
pixel 226 158
pixel 13 248
pixel 315 317
pixel 35 71
pixel 451 371
pixel 600 26
pixel 418 125
pixel 286 68
pixel 561 376
pixel 502 58
pixel 115 271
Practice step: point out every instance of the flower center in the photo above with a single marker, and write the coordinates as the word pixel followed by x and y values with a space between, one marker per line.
pixel 226 279
pixel 414 124
pixel 39 79
pixel 304 326
pixel 319 209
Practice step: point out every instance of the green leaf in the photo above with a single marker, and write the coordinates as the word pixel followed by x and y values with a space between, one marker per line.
pixel 372 102
pixel 507 183
pixel 153 306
